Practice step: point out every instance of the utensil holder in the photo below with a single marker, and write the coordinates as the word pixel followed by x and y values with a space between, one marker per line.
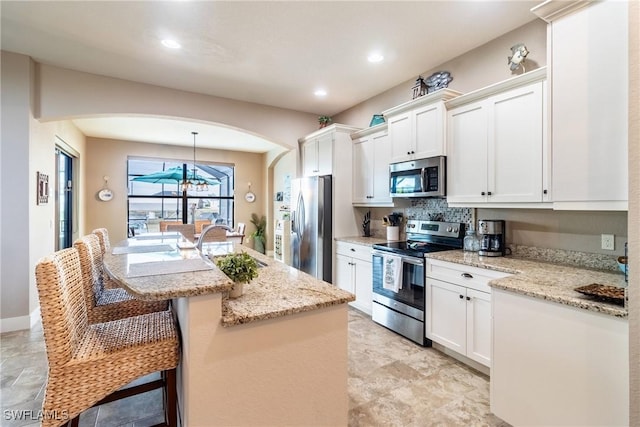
pixel 393 232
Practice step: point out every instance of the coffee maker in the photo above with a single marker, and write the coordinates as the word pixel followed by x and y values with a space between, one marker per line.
pixel 492 240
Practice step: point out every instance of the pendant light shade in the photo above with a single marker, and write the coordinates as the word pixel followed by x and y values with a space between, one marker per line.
pixel 193 181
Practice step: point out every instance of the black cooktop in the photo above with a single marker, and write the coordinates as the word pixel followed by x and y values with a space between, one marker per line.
pixel 416 249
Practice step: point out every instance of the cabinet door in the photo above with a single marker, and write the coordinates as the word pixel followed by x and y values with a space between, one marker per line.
pixel 310 158
pixel 467 160
pixel 363 164
pixel 479 326
pixel 446 315
pixel 364 285
pixel 428 131
pixel 590 106
pixel 344 273
pixel 400 134
pixel 515 145
pixel 325 154
pixel 381 157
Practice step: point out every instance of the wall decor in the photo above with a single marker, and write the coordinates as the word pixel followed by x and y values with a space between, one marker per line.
pixel 43 188
pixel 518 53
pixel 105 194
pixel 438 80
pixel 376 120
pixel 419 87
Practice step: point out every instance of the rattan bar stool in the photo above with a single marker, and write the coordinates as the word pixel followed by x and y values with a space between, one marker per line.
pixel 104 303
pixel 90 363
pixel 103 235
pixel 187 230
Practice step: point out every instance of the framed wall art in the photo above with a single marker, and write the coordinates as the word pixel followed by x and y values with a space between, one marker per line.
pixel 43 189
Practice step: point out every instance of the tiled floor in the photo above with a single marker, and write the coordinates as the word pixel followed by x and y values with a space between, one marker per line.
pixel 392 382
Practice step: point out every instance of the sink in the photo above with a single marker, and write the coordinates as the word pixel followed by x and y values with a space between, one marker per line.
pixel 260 263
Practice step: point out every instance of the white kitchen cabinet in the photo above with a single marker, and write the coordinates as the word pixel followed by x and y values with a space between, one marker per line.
pixel 417 128
pixel 497 145
pixel 354 273
pixel 371 155
pixel 317 155
pixel 588 43
pixel 557 365
pixel 458 308
pixel 329 151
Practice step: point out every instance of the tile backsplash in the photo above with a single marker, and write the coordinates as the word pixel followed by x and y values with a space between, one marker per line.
pixel 438 209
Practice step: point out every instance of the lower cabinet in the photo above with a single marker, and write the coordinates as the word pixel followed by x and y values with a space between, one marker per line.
pixel 458 308
pixel 558 365
pixel 354 273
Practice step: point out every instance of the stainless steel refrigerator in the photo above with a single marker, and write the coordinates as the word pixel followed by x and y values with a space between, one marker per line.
pixel 311 226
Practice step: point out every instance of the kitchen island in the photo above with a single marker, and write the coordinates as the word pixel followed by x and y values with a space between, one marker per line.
pixel 275 356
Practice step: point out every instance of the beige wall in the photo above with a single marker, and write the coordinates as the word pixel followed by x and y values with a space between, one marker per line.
pixel 26 228
pixel 476 69
pixel 66 93
pixel 109 157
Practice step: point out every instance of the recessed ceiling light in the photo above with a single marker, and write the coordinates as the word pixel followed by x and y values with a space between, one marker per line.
pixel 320 92
pixel 171 44
pixel 375 57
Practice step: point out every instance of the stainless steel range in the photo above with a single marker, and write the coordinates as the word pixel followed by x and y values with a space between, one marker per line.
pixel 399 275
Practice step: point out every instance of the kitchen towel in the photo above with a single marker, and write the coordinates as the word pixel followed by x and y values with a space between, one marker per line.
pixel 392 273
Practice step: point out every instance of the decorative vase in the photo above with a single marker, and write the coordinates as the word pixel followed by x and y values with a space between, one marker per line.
pixel 258 245
pixel 237 290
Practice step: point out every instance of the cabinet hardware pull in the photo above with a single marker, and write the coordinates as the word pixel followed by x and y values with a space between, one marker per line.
pixel 408 152
pixel 489 193
pixel 482 194
pixel 544 191
pixel 468 298
pixel 461 296
pixel 352 249
pixel 467 275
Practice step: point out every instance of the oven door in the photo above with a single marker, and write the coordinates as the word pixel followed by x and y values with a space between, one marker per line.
pixel 412 292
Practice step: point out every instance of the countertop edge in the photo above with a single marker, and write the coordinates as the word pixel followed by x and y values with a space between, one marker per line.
pixel 543 285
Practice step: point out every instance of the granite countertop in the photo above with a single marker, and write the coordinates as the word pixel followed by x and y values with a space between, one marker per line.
pixel 359 240
pixel 279 290
pixel 544 280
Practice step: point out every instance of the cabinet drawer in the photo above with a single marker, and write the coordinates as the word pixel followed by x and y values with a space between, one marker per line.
pixel 354 250
pixel 463 275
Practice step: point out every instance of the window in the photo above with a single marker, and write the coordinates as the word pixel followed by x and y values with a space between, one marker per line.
pixel 155 194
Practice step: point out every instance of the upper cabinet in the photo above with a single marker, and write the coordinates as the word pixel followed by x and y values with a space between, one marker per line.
pixel 317 155
pixel 417 128
pixel 497 145
pixel 588 43
pixel 371 155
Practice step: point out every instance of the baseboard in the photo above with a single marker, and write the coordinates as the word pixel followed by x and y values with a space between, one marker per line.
pixel 21 323
pixel 11 324
pixel 35 317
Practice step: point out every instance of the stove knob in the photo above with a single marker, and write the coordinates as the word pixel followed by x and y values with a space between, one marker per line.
pixel 455 229
pixel 449 229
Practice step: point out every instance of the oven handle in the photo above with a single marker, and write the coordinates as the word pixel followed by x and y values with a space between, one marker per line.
pixel 408 260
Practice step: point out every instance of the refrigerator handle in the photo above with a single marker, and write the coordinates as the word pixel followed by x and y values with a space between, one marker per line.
pixel 300 216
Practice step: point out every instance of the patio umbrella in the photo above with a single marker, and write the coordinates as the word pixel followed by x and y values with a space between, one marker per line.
pixel 174 176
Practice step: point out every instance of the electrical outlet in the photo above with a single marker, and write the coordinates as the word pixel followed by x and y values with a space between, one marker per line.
pixel 608 242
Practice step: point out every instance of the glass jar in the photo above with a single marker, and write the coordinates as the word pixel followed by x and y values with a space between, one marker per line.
pixel 471 242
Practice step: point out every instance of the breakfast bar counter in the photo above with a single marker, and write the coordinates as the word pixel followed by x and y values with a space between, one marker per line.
pixel 277 355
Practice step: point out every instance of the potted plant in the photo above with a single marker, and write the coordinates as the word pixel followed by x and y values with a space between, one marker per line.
pixel 259 236
pixel 239 267
pixel 324 121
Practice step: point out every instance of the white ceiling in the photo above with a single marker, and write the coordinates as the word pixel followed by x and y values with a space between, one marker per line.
pixel 273 53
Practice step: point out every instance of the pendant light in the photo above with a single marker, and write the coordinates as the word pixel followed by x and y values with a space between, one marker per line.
pixel 194 182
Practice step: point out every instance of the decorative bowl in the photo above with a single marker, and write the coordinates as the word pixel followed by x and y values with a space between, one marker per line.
pixel 622 264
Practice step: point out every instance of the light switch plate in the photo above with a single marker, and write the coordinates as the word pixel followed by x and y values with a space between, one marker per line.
pixel 608 242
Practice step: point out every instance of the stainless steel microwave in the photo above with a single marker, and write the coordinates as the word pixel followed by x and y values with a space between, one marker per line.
pixel 418 178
